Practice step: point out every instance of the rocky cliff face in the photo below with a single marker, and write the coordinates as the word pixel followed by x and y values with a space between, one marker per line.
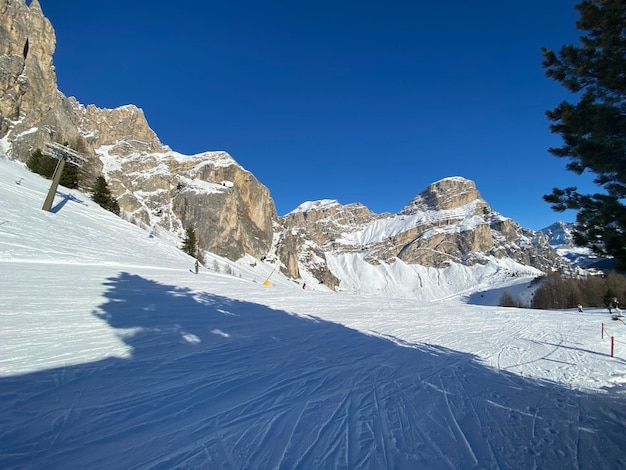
pixel 314 229
pixel 124 131
pixel 230 210
pixel 447 223
pixel 32 111
pixel 27 79
pixel 461 226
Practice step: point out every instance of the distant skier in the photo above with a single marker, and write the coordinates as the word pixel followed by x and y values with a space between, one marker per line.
pixel 614 305
pixel 304 285
pixel 580 308
pixel 196 265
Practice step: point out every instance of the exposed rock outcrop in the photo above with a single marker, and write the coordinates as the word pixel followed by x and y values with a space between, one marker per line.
pixel 124 131
pixel 232 212
pixel 447 222
pixel 27 76
pixel 32 110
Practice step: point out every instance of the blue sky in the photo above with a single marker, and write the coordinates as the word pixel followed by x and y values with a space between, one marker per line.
pixel 360 101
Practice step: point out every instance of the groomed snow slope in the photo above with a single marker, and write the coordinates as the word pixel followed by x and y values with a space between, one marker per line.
pixel 114 355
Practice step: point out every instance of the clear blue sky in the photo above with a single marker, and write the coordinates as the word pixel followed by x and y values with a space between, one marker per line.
pixel 361 101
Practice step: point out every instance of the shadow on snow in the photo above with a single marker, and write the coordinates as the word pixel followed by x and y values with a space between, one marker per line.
pixel 66 197
pixel 219 383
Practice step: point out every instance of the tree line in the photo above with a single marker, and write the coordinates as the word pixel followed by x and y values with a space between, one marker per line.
pixel 558 292
pixel 72 178
pixel 44 165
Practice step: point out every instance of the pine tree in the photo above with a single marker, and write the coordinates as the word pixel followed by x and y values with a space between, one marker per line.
pixel 70 176
pixel 594 129
pixel 102 196
pixel 34 161
pixel 190 243
pixel 45 166
pixel 507 300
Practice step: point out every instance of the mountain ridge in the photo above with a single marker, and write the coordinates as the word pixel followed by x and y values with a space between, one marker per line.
pixel 232 212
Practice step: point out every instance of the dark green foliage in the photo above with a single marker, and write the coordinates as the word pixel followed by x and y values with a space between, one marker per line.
pixel 594 129
pixel 595 291
pixel 70 177
pixel 45 166
pixel 102 196
pixel 507 300
pixel 190 243
pixel 36 165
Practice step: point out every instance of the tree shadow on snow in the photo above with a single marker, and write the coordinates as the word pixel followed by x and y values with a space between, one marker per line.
pixel 219 383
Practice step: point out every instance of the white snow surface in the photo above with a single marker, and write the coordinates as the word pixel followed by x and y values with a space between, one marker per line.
pixel 111 161
pixel 113 354
pixel 317 205
pixel 378 230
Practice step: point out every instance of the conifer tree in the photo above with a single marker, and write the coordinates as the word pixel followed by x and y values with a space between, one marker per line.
pixel 70 176
pixel 102 196
pixel 190 243
pixel 34 161
pixel 594 129
pixel 507 300
pixel 45 166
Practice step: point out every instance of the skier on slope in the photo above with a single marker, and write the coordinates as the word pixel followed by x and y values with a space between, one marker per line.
pixel 196 264
pixel 614 305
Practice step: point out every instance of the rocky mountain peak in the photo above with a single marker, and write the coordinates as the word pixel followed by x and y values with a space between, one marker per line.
pixel 124 129
pixel 446 194
pixel 27 77
pixel 559 234
pixel 331 213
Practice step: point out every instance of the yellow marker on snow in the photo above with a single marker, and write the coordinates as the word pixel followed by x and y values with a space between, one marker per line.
pixel 267 281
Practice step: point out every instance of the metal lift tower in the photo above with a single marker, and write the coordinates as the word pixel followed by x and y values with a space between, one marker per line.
pixel 63 154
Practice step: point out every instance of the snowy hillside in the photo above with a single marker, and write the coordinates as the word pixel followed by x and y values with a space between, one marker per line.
pixel 562 240
pixel 114 355
pixel 446 241
pixel 413 281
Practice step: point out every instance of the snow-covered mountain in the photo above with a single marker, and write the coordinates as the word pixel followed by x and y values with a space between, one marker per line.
pixel 113 354
pixel 447 226
pixel 561 239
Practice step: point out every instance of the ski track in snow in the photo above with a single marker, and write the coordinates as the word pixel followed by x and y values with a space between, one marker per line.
pixel 283 391
pixel 114 356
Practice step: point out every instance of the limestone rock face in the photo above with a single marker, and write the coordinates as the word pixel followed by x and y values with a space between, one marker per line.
pixel 231 211
pixel 326 221
pixel 446 194
pixel 32 111
pixel 448 222
pixel 235 219
pixel 123 130
pixel 27 42
pixel 460 226
pixel 312 230
pixel 457 225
